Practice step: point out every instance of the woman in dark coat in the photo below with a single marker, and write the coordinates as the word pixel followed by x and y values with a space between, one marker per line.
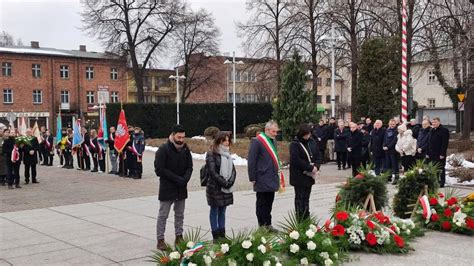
pixel 305 161
pixel 340 145
pixel 422 140
pixel 221 171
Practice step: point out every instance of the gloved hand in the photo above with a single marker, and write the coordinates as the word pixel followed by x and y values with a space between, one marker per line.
pixel 181 181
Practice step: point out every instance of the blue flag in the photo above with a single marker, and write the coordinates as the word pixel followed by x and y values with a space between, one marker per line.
pixel 77 138
pixel 59 126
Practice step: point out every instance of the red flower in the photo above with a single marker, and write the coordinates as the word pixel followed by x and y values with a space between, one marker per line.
pixel 470 223
pixel 393 228
pixel 382 218
pixel 359 176
pixel 341 216
pixel 371 239
pixel 338 198
pixel 434 217
pixel 399 241
pixel 433 201
pixel 448 212
pixel 440 195
pixel 446 226
pixel 370 224
pixel 452 201
pixel 456 208
pixel 338 230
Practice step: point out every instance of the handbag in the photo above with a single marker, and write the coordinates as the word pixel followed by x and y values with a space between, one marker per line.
pixel 204 175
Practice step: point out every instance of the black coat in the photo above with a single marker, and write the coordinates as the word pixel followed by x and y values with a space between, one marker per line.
pixel 390 140
pixel 415 130
pixel 214 194
pixel 340 140
pixel 174 167
pixel 261 168
pixel 422 140
pixel 355 143
pixel 25 152
pixel 320 132
pixel 370 127
pixel 330 131
pixel 376 142
pixel 365 144
pixel 299 162
pixel 438 142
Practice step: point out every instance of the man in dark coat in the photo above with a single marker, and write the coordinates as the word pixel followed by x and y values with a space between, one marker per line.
pixel 391 155
pixel 13 166
pixel 376 146
pixel 264 173
pixel 340 145
pixel 174 166
pixel 30 157
pixel 365 157
pixel 331 127
pixel 320 135
pixel 438 146
pixel 368 124
pixel 422 140
pixel 354 147
pixel 414 127
pixel 305 161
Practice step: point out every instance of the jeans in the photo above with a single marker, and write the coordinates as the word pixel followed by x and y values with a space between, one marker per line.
pixel 378 165
pixel 263 208
pixel 163 213
pixel 341 159
pixel 113 160
pixel 391 160
pixel 302 195
pixel 217 218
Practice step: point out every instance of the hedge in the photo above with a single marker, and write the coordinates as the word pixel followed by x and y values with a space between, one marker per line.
pixel 156 120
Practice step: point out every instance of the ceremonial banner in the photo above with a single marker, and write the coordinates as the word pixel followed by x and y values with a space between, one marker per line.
pixel 77 137
pixel 121 134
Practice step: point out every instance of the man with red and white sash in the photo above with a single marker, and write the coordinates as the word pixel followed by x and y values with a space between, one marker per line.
pixel 264 169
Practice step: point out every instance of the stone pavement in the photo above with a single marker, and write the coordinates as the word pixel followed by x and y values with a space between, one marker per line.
pixel 123 231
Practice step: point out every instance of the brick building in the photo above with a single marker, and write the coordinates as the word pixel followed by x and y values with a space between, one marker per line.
pixel 157 86
pixel 37 82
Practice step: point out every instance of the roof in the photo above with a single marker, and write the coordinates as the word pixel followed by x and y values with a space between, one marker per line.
pixel 27 50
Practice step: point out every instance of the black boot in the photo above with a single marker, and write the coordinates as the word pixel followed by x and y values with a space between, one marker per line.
pixel 215 236
pixel 222 233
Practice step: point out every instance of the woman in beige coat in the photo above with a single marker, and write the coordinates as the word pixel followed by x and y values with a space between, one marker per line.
pixel 406 146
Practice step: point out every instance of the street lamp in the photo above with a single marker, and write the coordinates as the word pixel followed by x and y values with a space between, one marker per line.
pixel 233 62
pixel 177 77
pixel 333 38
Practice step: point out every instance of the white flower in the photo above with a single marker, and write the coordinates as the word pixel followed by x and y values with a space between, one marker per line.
pixel 231 262
pixel 311 245
pixel 278 264
pixel 224 248
pixel 267 263
pixel 313 227
pixel 294 235
pixel 420 171
pixel 328 262
pixel 190 244
pixel 207 260
pixel 459 218
pixel 331 225
pixel 335 255
pixel 212 254
pixel 324 255
pixel 408 231
pixel 404 227
pixel 246 244
pixel 310 233
pixel 263 240
pixel 304 261
pixel 327 242
pixel 262 249
pixel 294 248
pixel 175 255
pixel 250 257
pixel 192 264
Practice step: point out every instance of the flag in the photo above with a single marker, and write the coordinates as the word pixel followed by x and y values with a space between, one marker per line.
pixel 36 132
pixel 77 138
pixel 59 126
pixel 22 126
pixel 102 134
pixel 121 134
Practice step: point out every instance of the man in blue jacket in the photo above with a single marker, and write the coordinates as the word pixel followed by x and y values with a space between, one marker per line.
pixel 263 170
pixel 391 156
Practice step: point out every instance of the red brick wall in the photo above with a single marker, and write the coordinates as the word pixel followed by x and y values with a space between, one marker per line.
pixel 214 91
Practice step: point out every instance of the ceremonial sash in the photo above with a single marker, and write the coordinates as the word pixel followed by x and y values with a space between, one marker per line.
pixel 15 156
pixel 268 145
pixel 135 151
pixel 100 151
pixel 48 145
pixel 86 148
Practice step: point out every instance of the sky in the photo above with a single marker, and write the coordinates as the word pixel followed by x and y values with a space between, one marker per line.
pixel 56 23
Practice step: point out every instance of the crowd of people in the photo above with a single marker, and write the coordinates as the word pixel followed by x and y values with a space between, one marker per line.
pixel 42 149
pixel 351 144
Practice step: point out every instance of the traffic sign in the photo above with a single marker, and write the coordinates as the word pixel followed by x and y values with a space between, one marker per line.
pixel 460 106
pixel 461 97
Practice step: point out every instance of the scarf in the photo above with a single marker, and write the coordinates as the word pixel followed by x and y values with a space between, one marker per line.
pixel 177 146
pixel 227 166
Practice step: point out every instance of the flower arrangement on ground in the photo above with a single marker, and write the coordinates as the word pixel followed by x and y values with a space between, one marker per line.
pixel 447 214
pixel 357 229
pixel 410 185
pixel 356 189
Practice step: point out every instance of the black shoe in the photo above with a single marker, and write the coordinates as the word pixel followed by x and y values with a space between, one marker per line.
pixel 271 229
pixel 10 187
pixel 215 236
pixel 27 182
pixel 4 184
pixel 343 168
pixel 338 168
pixel 95 170
pixel 35 182
pixel 17 186
pixel 137 177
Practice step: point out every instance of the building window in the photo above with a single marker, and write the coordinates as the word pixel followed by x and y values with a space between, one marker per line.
pixel 64 96
pixel 237 98
pixel 113 73
pixel 431 77
pixel 114 97
pixel 64 71
pixel 253 77
pixel 250 98
pixel 36 70
pixel 319 99
pixel 147 99
pixel 328 82
pixel 90 97
pixel 6 69
pixel 238 74
pixel 37 96
pixel 431 103
pixel 7 96
pixel 337 98
pixel 328 98
pixel 319 81
pixel 89 72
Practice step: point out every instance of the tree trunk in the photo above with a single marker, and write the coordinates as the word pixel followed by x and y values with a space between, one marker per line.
pixel 354 55
pixel 469 101
pixel 314 63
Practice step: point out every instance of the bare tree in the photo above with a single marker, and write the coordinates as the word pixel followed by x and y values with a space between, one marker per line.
pixel 132 28
pixel 271 30
pixel 195 39
pixel 6 39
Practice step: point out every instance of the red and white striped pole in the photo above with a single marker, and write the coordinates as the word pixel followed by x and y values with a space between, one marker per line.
pixel 404 63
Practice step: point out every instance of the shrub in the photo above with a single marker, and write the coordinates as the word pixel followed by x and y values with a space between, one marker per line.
pixel 211 132
pixel 252 130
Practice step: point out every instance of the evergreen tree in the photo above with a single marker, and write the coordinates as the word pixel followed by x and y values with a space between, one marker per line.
pixel 294 104
pixel 378 93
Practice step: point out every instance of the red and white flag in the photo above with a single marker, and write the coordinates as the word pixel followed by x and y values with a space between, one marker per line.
pixel 15 154
pixel 122 137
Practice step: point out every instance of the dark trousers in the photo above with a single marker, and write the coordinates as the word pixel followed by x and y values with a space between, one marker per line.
pixel 217 218
pixel 302 195
pixel 13 173
pixel 130 161
pixel 355 164
pixel 341 159
pixel 86 162
pixel 29 167
pixel 45 154
pixel 50 159
pixel 391 160
pixel 68 160
pixel 122 165
pixel 442 170
pixel 365 160
pixel 378 164
pixel 40 154
pixel 95 160
pixel 264 208
pixel 3 179
pixel 407 162
pixel 348 159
